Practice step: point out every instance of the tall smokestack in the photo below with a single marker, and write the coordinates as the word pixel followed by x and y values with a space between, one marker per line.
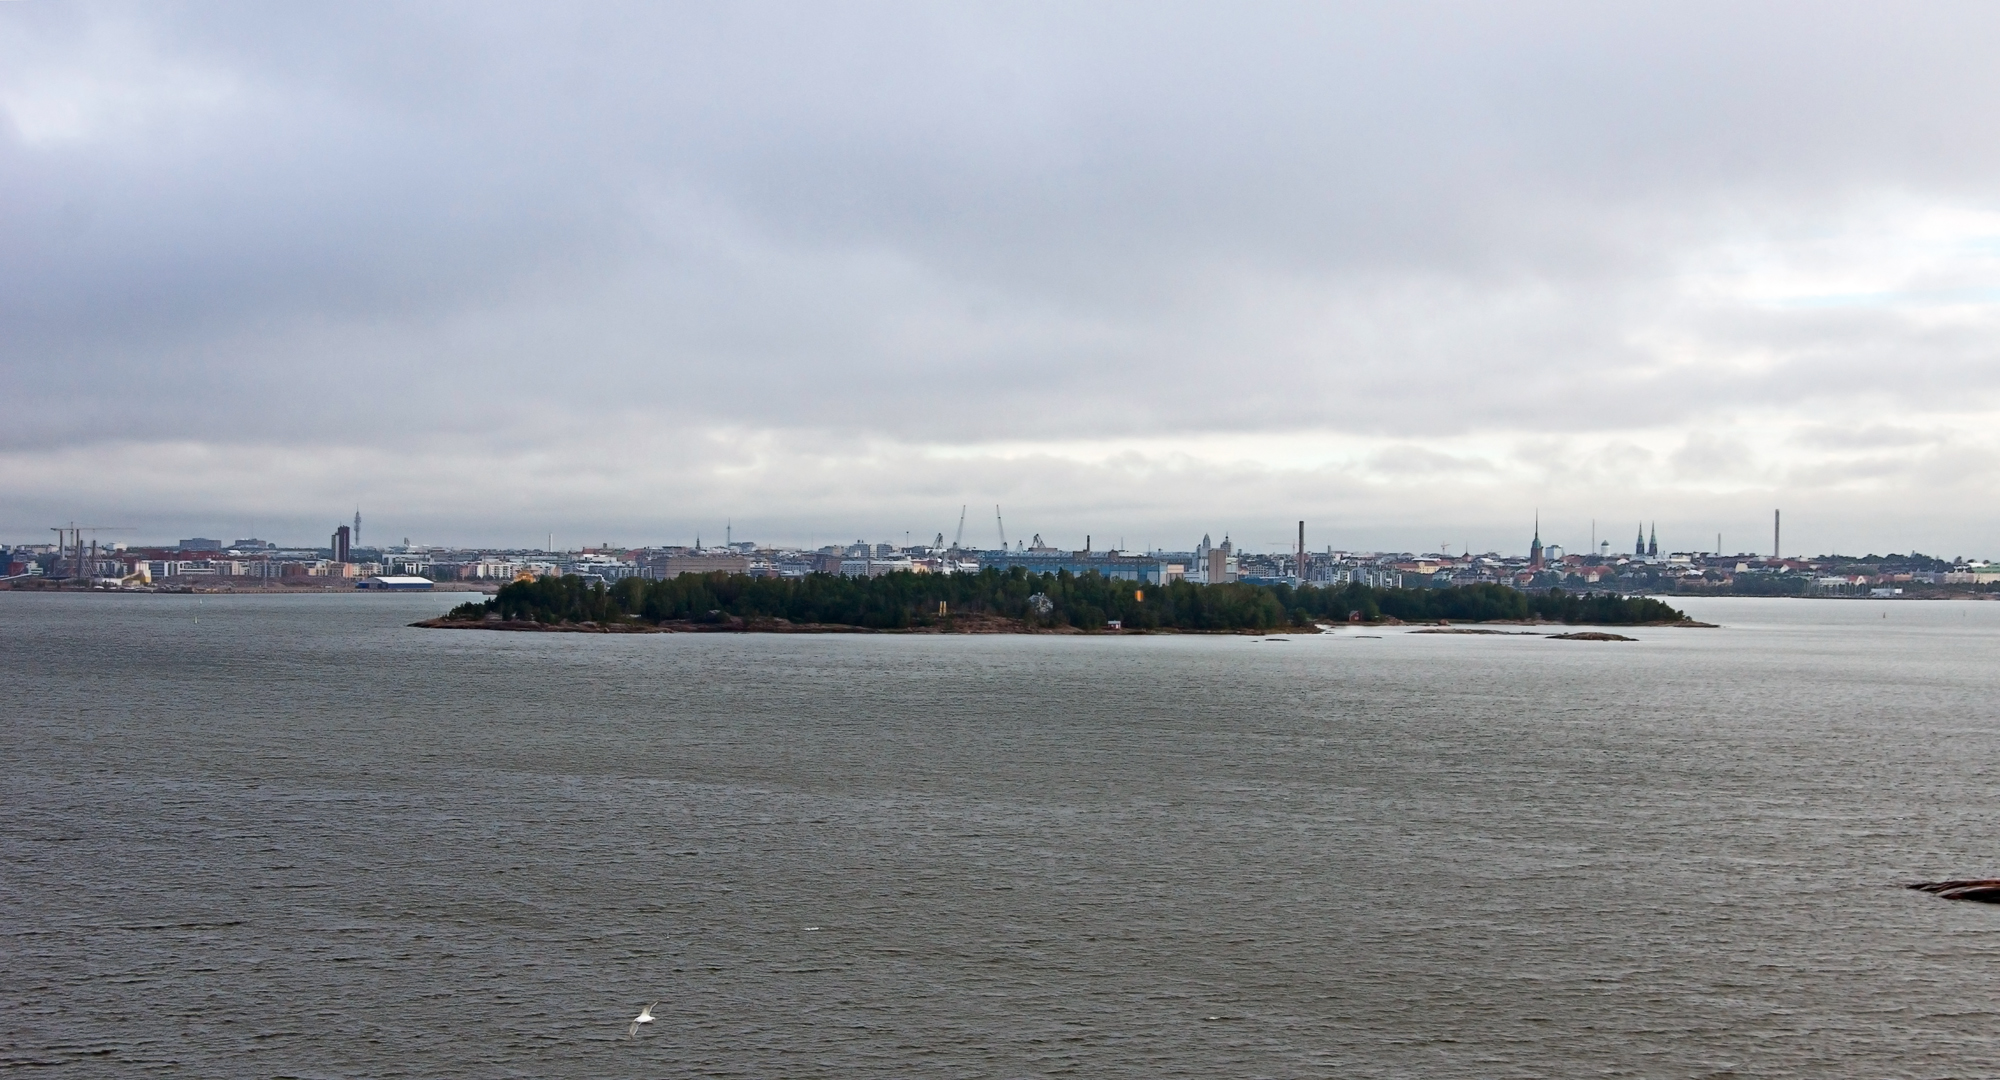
pixel 1301 567
pixel 1776 551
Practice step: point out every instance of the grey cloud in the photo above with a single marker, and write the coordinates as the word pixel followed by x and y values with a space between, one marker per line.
pixel 1866 437
pixel 1416 461
pixel 1709 454
pixel 955 225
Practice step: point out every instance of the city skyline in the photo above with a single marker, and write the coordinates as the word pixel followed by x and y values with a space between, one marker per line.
pixel 1539 536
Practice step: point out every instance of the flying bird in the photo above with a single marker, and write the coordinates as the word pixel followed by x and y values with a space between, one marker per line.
pixel 645 1017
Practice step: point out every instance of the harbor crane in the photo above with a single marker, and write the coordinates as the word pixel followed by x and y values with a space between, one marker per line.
pixel 958 538
pixel 70 538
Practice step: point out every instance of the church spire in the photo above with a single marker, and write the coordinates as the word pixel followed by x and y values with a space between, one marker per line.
pixel 1535 548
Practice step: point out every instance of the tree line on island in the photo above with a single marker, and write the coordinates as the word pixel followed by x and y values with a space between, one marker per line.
pixel 903 600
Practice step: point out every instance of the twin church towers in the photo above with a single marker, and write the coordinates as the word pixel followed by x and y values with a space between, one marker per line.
pixel 1641 547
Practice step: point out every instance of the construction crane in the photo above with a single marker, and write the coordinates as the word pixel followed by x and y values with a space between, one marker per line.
pixel 958 537
pixel 70 537
pixel 1002 522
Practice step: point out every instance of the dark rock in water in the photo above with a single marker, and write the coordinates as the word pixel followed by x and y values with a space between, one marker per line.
pixel 1983 890
pixel 1590 635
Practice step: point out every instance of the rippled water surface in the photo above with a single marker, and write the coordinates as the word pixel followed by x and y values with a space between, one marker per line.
pixel 290 836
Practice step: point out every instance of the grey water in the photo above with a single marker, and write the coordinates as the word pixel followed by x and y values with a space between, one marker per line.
pixel 292 836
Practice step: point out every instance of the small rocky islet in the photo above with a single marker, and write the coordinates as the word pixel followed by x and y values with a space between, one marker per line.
pixel 1979 890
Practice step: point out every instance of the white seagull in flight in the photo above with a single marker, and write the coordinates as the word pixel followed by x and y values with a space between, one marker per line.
pixel 645 1017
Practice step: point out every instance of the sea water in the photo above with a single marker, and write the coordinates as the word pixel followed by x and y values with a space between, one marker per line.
pixel 292 836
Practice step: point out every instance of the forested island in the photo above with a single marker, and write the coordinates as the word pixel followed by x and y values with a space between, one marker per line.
pixel 1014 601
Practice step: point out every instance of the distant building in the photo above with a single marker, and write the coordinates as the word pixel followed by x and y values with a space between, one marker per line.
pixel 876 567
pixel 1376 577
pixel 166 568
pixel 1150 570
pixel 598 567
pixel 673 566
pixel 395 583
pixel 1221 568
pixel 342 541
pixel 200 543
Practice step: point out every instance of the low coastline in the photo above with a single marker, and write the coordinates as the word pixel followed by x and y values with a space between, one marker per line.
pixel 996 624
pixel 230 587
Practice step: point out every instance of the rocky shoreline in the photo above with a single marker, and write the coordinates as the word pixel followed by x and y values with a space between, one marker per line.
pixel 957 624
pixel 1978 890
pixel 964 624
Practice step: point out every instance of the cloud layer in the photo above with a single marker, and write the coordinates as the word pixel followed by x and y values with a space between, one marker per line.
pixel 1128 271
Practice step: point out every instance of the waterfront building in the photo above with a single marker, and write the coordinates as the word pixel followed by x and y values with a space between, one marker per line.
pixel 395 583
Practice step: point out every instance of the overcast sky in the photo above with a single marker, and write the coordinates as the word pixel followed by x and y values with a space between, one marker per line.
pixel 1408 272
